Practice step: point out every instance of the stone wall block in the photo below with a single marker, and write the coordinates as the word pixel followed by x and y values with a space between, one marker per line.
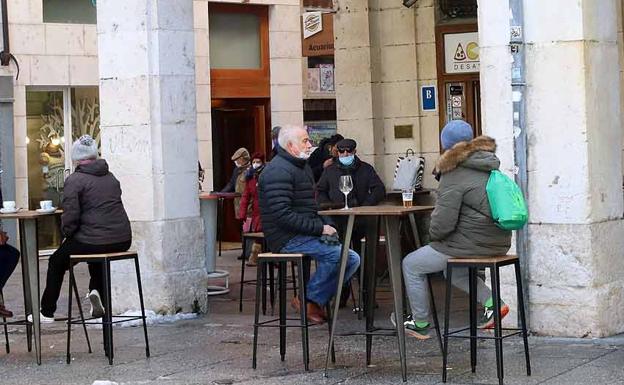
pixel 281 118
pixel 286 71
pixel 393 145
pixel 358 104
pixel 285 45
pixel 358 61
pixel 399 99
pixel 200 14
pixel 126 55
pixel 83 71
pixel 114 111
pixel 25 11
pixel 561 176
pixel 287 98
pixel 360 130
pixel 285 18
pixel 352 33
pixel 561 255
pixel 49 70
pixel 426 61
pixel 90 40
pixel 598 21
pixel 179 199
pixel 425 23
pixel 543 21
pixel 202 70
pixel 64 39
pixel 176 99
pixel 397 26
pixel 171 14
pixel 174 57
pixel 604 132
pixel 398 63
pixel 124 16
pixel 27 39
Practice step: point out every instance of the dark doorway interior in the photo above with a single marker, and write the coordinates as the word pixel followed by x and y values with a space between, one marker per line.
pixel 236 123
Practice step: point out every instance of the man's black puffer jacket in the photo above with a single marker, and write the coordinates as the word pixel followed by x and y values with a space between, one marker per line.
pixel 287 204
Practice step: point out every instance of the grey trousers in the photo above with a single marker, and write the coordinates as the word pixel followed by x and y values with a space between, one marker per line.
pixel 423 261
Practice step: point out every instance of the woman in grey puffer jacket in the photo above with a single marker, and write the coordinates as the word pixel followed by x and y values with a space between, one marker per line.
pixel 94 221
pixel 458 226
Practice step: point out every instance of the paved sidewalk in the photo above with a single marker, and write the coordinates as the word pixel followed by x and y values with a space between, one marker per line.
pixel 216 349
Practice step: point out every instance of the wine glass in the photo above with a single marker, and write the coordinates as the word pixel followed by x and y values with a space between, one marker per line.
pixel 346 185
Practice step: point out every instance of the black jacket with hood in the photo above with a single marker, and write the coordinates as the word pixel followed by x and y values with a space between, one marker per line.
pixel 92 209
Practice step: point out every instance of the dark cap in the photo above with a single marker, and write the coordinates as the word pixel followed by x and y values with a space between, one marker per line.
pixel 348 144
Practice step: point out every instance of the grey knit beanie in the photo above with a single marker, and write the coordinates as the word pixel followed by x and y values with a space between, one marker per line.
pixel 84 148
pixel 454 132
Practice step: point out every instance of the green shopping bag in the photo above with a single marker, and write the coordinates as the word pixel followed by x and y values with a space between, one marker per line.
pixel 509 210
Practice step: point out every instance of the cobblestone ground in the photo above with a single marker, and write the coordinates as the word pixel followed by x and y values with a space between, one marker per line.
pixel 215 348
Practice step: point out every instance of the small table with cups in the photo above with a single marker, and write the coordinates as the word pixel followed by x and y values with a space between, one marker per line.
pixel 29 249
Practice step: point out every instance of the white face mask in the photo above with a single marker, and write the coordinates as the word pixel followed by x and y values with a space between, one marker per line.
pixel 304 155
pixel 256 165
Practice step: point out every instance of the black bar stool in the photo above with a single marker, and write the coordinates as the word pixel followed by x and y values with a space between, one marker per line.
pixel 107 320
pixel 282 322
pixel 494 264
pixel 268 268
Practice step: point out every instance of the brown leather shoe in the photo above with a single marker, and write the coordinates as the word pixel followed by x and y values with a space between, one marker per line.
pixel 4 312
pixel 315 313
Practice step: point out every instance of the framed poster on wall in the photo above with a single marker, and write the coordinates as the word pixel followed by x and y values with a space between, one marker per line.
pixel 319 130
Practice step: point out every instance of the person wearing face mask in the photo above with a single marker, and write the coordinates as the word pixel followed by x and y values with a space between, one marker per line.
pixel 237 181
pixel 249 205
pixel 368 189
pixel 291 223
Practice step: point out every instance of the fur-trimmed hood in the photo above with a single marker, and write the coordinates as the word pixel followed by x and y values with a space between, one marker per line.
pixel 477 154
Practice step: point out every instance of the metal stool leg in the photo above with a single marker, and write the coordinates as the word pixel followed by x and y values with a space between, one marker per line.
pixel 447 309
pixel 522 317
pixel 293 277
pixel 472 283
pixel 108 316
pixel 259 283
pixel 69 312
pixel 81 313
pixel 140 288
pixel 242 277
pixel 304 318
pixel 434 313
pixel 263 278
pixel 497 323
pixel 282 307
pixel 6 330
pixel 272 286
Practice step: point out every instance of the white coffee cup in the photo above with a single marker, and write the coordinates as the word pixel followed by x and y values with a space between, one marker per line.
pixel 45 205
pixel 8 205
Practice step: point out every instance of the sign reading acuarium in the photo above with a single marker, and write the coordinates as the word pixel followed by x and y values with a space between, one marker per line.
pixel 461 52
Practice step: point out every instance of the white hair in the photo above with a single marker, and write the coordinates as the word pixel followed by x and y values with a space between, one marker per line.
pixel 289 134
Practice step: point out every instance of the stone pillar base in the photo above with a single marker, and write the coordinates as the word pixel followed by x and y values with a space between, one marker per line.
pixel 171 257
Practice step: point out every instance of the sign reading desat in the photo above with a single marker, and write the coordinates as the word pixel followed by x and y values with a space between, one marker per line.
pixel 461 52
pixel 318 34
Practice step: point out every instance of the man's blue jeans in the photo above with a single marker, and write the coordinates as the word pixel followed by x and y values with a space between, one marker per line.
pixel 322 285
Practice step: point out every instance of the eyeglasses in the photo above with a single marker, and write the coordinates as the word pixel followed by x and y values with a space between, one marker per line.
pixel 343 150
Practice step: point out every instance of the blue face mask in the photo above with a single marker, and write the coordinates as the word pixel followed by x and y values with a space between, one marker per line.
pixel 346 160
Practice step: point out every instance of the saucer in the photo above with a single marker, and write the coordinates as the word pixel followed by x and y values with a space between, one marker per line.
pixel 8 211
pixel 46 211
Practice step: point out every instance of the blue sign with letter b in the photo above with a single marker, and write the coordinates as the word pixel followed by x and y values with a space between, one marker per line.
pixel 428 98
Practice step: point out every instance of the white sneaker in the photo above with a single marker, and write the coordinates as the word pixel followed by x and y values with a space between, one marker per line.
pixel 42 319
pixel 97 309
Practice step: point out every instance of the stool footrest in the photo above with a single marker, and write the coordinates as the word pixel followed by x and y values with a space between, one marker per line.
pixel 267 324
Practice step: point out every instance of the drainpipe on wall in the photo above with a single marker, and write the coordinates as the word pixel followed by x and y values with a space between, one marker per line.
pixel 6 56
pixel 518 87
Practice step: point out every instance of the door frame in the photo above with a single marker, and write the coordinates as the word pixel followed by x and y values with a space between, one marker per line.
pixel 443 77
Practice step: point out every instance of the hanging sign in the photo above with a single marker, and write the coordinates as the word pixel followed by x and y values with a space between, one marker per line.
pixel 312 24
pixel 320 43
pixel 461 52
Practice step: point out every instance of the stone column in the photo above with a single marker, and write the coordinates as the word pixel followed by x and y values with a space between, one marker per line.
pixel 149 137
pixel 355 69
pixel 576 261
